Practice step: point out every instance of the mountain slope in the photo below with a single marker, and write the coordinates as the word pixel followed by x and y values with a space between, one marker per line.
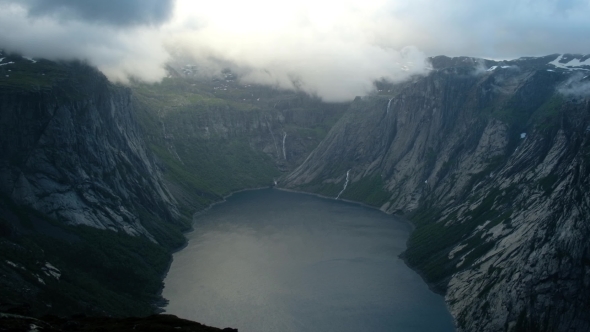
pixel 87 222
pixel 489 160
pixel 98 181
pixel 216 135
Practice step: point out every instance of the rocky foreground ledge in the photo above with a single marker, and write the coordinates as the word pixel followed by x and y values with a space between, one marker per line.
pixel 11 322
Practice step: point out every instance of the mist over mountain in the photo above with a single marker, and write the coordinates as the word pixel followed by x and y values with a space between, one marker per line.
pixel 333 50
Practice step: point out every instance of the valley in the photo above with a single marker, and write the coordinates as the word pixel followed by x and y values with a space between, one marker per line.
pixel 488 159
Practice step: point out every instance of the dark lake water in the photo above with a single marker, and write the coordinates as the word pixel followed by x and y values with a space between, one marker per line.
pixel 274 261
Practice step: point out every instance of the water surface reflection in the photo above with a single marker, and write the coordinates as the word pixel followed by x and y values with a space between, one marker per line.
pixel 273 261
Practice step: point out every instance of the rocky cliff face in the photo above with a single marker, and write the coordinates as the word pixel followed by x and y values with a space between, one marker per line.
pixel 80 193
pixel 218 135
pixel 286 135
pixel 73 152
pixel 97 181
pixel 490 160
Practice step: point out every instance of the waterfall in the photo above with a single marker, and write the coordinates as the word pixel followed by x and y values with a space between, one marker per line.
pixel 389 105
pixel 172 150
pixel 273 138
pixel 284 150
pixel 345 184
pixel 168 139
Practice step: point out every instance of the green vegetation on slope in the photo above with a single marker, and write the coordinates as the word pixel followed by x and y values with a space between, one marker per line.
pixel 101 272
pixel 201 170
pixel 216 135
pixel 368 190
pixel 432 240
pixel 104 272
pixel 68 81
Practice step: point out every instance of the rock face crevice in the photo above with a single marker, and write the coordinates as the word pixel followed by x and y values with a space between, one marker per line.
pixel 86 220
pixel 74 152
pixel 491 164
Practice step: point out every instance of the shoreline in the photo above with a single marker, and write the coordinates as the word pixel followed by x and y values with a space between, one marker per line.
pixel 162 302
pixel 433 287
pixel 401 218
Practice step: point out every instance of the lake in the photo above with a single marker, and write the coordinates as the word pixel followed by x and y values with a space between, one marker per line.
pixel 269 261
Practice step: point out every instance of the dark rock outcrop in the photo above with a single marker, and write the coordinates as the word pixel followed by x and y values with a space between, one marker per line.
pixel 74 152
pixel 86 222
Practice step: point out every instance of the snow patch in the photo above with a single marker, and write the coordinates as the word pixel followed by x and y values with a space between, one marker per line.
pixel 497 232
pixel 463 258
pixel 492 68
pixel 456 250
pixel 41 281
pixel 51 271
pixel 480 227
pixel 573 64
pixel 17 266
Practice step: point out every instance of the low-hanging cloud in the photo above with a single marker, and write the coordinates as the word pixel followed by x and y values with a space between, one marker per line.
pixel 119 52
pixel 333 49
pixel 577 85
pixel 324 51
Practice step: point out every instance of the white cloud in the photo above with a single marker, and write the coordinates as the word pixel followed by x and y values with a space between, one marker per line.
pixel 327 49
pixel 576 85
pixel 117 52
pixel 332 48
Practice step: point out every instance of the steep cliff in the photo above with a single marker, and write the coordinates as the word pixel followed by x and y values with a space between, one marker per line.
pixel 74 152
pixel 217 135
pixel 97 181
pixel 489 159
pixel 81 193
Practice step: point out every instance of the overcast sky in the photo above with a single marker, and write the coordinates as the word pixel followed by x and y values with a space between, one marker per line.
pixel 333 48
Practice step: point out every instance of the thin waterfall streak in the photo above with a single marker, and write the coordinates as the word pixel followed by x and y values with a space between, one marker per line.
pixel 345 184
pixel 273 139
pixel 389 105
pixel 284 150
pixel 172 150
pixel 171 147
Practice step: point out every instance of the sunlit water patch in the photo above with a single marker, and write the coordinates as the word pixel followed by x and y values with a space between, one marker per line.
pixel 268 261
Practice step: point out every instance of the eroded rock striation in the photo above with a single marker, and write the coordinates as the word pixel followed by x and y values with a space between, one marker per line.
pixel 491 161
pixel 80 194
pixel 73 151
